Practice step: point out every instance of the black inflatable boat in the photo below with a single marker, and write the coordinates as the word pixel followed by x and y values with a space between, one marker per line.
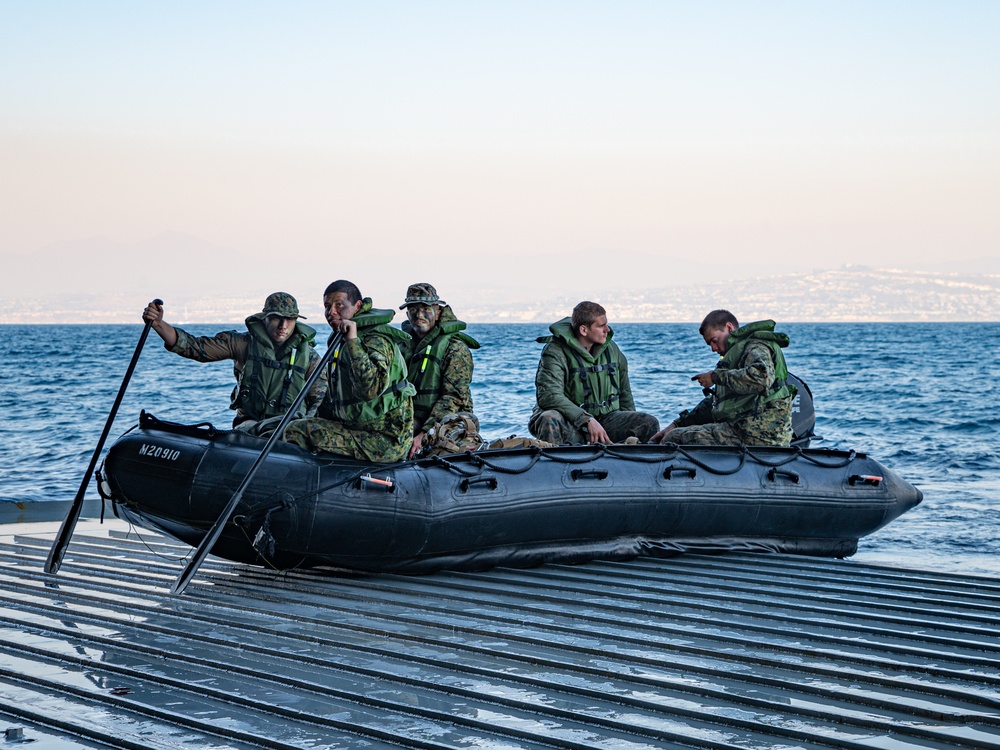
pixel 516 507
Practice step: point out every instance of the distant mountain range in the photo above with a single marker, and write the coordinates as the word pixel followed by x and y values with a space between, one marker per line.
pixel 851 293
pixel 848 294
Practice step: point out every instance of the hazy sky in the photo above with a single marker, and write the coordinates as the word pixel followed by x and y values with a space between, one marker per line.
pixel 627 141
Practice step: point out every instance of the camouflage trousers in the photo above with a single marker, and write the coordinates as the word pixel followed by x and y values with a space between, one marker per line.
pixel 386 441
pixel 263 428
pixel 772 427
pixel 713 433
pixel 553 427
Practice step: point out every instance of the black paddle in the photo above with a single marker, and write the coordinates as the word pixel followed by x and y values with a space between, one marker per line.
pixel 220 523
pixel 66 531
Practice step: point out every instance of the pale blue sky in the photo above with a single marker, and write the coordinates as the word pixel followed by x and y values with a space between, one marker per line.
pixel 733 134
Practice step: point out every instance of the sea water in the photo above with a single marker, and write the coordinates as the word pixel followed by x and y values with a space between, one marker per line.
pixel 921 398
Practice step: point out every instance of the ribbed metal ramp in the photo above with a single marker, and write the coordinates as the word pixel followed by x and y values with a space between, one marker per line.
pixel 734 651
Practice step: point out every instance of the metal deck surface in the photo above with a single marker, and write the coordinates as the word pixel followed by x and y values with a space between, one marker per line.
pixel 734 651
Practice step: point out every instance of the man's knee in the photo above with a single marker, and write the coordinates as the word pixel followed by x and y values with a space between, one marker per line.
pixel 644 426
pixel 718 433
pixel 622 425
pixel 297 433
pixel 552 427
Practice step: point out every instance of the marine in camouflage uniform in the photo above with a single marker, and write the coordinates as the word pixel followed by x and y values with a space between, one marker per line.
pixel 272 359
pixel 582 391
pixel 439 364
pixel 368 409
pixel 749 401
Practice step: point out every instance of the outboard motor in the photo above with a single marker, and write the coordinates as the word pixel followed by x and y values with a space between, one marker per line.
pixel 803 414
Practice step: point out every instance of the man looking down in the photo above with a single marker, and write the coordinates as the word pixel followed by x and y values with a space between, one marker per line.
pixel 749 400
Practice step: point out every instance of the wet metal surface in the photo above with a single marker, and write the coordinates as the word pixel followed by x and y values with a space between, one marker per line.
pixel 733 651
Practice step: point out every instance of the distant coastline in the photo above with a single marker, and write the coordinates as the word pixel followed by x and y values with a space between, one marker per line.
pixel 850 294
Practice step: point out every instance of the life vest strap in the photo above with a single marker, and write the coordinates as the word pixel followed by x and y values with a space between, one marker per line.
pixel 611 367
pixel 276 364
pixel 588 405
pixel 582 370
pixel 391 390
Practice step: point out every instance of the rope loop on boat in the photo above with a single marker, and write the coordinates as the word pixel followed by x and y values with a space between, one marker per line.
pixel 799 453
pixel 599 452
pixel 624 456
pixel 772 464
pixel 851 455
pixel 536 453
pixel 674 450
pixel 469 464
pixel 709 468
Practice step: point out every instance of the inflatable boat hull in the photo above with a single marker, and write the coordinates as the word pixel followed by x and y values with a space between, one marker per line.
pixel 518 507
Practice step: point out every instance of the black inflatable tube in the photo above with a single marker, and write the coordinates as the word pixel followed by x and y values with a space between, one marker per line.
pixel 518 507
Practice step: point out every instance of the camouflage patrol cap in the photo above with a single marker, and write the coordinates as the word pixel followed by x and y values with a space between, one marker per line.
pixel 283 304
pixel 422 294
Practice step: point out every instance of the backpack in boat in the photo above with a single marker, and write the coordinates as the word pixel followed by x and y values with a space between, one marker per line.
pixel 455 433
pixel 518 442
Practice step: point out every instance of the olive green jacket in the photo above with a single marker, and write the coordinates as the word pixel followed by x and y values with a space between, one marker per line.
pixel 577 383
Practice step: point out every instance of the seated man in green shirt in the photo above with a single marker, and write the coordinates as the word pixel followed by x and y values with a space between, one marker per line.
pixel 582 392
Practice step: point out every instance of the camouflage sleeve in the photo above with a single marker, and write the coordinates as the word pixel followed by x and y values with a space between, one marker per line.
pixel 625 400
pixel 551 381
pixel 456 382
pixel 225 345
pixel 701 414
pixel 369 359
pixel 754 374
pixel 318 392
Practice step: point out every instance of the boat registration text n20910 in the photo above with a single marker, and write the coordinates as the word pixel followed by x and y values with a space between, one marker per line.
pixel 156 451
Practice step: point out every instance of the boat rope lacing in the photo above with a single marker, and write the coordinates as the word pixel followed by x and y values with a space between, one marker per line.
pixel 473 464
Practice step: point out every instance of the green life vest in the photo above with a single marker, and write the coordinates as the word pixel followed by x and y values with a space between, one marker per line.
pixel 593 385
pixel 426 359
pixel 267 385
pixel 340 403
pixel 728 406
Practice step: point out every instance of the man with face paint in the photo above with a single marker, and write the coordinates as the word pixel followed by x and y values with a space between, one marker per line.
pixel 439 363
pixel 749 399
pixel 272 360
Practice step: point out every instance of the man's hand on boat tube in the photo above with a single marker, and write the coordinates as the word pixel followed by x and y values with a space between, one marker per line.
pixel 596 432
pixel 662 434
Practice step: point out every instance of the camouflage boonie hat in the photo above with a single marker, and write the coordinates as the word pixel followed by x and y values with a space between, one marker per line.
pixel 283 304
pixel 422 294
